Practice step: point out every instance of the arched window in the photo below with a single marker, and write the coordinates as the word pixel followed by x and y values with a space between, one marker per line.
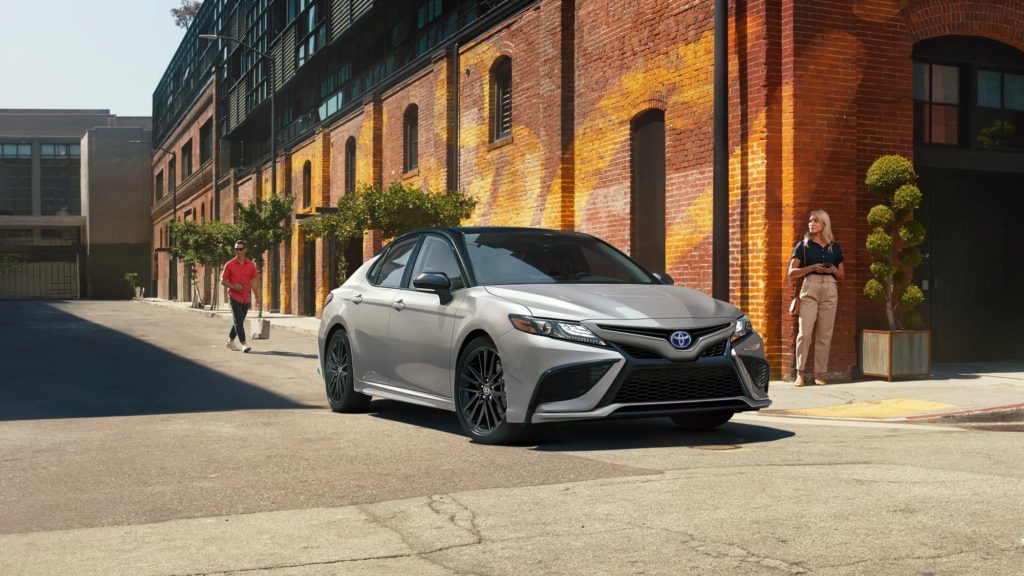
pixel 410 140
pixel 501 98
pixel 350 165
pixel 647 206
pixel 202 212
pixel 307 184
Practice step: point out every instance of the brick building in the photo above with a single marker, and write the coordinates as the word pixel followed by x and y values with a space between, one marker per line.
pixel 596 115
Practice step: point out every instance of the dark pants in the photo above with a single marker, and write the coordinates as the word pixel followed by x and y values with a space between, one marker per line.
pixel 238 312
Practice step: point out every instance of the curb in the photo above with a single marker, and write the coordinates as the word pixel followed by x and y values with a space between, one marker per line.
pixel 227 316
pixel 994 412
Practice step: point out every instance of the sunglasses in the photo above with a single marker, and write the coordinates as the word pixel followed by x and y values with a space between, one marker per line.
pixel 239 249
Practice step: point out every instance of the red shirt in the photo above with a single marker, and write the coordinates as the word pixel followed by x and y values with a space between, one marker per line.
pixel 236 272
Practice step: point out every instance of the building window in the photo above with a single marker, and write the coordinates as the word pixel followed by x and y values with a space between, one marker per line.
pixel 936 104
pixel 307 184
pixel 501 99
pixel 159 187
pixel 206 142
pixel 186 160
pixel 350 165
pixel 647 201
pixel 1000 112
pixel 60 179
pixel 172 175
pixel 15 179
pixel 411 135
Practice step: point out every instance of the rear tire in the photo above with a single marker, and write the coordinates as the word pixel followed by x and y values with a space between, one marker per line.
pixel 480 396
pixel 338 376
pixel 701 420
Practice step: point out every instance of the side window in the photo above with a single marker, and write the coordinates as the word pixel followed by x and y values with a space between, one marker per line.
pixel 392 267
pixel 436 255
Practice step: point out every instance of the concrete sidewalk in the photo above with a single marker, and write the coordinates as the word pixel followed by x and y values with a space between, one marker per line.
pixel 952 389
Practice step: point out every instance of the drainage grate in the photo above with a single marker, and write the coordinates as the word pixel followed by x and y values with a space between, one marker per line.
pixel 995 426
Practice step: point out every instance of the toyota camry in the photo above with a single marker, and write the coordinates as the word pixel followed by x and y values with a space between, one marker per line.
pixel 513 327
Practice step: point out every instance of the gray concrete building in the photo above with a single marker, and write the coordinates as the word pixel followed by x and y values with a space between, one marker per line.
pixel 74 203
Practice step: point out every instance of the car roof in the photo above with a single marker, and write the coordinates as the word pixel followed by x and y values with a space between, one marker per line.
pixel 464 230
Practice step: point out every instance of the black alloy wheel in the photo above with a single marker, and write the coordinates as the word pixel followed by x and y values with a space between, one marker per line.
pixel 702 420
pixel 481 400
pixel 338 376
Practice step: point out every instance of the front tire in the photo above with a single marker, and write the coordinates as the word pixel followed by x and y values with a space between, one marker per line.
pixel 481 401
pixel 701 421
pixel 338 376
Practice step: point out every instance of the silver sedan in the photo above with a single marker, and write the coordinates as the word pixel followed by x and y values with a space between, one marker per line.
pixel 511 327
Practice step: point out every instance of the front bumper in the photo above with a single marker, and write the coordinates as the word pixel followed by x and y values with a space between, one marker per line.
pixel 587 382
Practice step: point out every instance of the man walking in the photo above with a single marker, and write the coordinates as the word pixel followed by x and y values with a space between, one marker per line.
pixel 237 278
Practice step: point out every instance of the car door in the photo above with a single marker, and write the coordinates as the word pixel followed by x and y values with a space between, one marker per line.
pixel 421 327
pixel 367 317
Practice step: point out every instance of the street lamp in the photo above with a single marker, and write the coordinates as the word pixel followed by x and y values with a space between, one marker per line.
pixel 273 89
pixel 173 286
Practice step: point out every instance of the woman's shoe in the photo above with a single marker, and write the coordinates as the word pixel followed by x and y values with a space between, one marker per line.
pixel 819 382
pixel 800 381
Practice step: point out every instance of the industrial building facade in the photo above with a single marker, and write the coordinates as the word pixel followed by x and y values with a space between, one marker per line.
pixel 74 198
pixel 596 115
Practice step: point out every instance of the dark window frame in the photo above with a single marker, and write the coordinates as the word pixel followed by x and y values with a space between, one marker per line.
pixel 307 184
pixel 350 165
pixel 500 99
pixel 410 138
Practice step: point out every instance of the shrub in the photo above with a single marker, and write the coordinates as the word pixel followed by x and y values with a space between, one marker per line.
pixel 893 240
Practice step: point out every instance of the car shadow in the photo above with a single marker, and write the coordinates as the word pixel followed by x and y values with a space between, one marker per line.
pixel 596 434
pixel 57 365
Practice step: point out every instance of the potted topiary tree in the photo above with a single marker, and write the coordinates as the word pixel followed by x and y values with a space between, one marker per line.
pixel 903 350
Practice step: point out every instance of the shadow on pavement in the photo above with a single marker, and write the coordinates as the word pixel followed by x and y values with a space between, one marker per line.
pixel 280 353
pixel 594 435
pixel 57 365
pixel 974 371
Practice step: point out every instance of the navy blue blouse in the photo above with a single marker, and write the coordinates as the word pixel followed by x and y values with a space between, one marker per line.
pixel 818 254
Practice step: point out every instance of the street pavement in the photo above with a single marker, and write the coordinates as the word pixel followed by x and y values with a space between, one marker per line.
pixel 133 442
pixel 953 392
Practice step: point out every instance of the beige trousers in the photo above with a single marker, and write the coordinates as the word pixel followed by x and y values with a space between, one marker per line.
pixel 818 298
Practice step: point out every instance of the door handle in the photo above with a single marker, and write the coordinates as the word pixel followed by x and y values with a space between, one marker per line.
pixel 398 305
pixel 358 298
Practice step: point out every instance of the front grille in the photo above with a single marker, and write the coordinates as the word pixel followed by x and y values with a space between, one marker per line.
pixel 759 371
pixel 571 382
pixel 679 382
pixel 663 333
pixel 640 353
pixel 716 349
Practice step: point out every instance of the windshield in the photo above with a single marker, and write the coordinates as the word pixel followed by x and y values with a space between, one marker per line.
pixel 549 258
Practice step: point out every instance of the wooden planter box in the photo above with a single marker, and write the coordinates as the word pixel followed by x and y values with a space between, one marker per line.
pixel 896 353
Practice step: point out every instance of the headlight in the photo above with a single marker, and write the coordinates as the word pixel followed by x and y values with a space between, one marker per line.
pixel 330 296
pixel 743 327
pixel 560 329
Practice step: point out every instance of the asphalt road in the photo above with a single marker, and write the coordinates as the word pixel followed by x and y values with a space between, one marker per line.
pixel 133 442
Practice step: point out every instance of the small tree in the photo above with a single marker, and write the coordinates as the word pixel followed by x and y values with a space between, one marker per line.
pixel 394 210
pixel 208 244
pixel 132 280
pixel 184 16
pixel 264 225
pixel 894 240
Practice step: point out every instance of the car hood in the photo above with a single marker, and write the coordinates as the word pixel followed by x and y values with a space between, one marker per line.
pixel 615 301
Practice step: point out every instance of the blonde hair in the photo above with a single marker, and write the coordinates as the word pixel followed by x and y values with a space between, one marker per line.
pixel 826 230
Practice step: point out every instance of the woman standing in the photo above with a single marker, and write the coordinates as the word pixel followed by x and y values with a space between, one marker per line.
pixel 817 259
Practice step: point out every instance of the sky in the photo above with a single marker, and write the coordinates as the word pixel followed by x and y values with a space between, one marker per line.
pixel 86 54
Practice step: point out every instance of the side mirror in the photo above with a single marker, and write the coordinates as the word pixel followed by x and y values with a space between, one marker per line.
pixel 664 278
pixel 436 282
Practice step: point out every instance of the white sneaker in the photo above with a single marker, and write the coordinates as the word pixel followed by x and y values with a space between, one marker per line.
pixel 232 346
pixel 246 348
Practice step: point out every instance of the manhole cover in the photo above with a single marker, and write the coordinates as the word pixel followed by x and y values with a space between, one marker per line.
pixel 996 427
pixel 716 447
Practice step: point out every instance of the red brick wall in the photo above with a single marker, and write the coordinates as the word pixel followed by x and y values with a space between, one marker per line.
pixel 430 171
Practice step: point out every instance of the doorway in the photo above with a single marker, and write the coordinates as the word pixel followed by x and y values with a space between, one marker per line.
pixel 971 270
pixel 309 278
